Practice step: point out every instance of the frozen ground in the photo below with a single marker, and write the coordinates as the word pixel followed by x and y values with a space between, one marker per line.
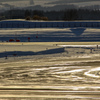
pixel 48 67
pixel 50 71
pixel 77 34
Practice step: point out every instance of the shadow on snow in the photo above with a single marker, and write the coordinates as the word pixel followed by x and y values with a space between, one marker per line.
pixel 29 53
pixel 78 31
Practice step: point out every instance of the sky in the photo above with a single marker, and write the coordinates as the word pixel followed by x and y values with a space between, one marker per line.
pixel 53 1
pixel 72 1
pixel 24 3
pixel 76 2
pixel 50 2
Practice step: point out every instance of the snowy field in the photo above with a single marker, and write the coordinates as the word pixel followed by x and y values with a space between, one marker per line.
pixel 50 64
pixel 50 70
pixel 78 34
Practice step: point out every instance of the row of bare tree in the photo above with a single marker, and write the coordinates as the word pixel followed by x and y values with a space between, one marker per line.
pixel 67 14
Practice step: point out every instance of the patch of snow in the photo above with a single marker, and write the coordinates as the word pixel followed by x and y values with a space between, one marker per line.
pixel 78 45
pixel 92 75
pixel 72 71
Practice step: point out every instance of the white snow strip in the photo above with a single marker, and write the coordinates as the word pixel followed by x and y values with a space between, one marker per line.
pixel 93 75
pixel 44 68
pixel 72 71
pixel 74 87
pixel 78 45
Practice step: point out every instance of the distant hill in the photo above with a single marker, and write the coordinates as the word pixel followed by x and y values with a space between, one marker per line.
pixel 49 8
pixel 56 7
pixel 61 7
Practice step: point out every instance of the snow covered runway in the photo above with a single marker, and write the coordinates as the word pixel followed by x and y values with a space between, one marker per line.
pixel 47 64
pixel 60 75
pixel 77 34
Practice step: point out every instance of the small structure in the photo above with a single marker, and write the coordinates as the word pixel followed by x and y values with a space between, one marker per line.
pixel 14 54
pixel 29 39
pixel 97 46
pixel 11 40
pixel 91 50
pixel 6 57
pixel 17 40
pixel 36 36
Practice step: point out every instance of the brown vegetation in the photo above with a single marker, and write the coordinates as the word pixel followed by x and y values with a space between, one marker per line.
pixel 28 18
pixel 36 17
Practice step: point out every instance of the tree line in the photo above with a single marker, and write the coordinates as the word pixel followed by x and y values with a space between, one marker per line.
pixel 67 14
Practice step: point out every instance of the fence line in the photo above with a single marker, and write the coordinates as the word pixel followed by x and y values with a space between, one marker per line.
pixel 27 24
